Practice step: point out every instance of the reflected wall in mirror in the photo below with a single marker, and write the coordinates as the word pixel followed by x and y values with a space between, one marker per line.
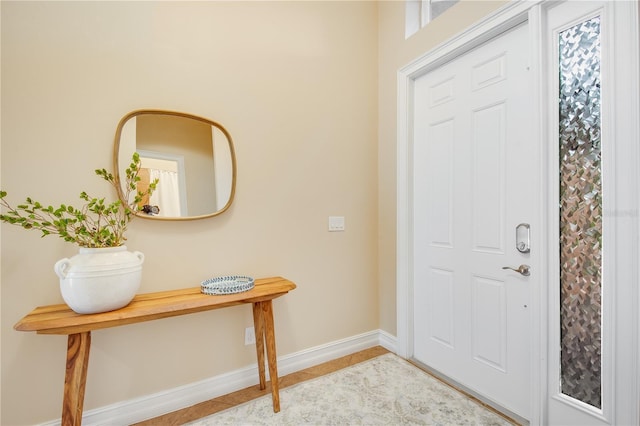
pixel 192 157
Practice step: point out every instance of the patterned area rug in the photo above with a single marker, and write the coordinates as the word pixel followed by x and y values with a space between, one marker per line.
pixel 385 390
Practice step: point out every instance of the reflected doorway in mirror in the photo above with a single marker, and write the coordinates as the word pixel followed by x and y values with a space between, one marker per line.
pixel 170 197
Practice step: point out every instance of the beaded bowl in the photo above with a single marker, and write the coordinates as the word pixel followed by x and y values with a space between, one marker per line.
pixel 226 285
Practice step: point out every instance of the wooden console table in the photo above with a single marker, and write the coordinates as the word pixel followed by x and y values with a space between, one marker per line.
pixel 59 319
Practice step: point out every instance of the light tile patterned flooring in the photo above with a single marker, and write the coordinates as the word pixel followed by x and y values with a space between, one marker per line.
pixel 215 405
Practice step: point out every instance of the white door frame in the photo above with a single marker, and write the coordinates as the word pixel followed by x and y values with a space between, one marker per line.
pixel 624 110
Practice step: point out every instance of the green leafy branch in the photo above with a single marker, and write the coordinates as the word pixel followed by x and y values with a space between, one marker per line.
pixel 95 224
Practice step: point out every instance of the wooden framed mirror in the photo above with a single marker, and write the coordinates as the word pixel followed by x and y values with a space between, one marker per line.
pixel 193 158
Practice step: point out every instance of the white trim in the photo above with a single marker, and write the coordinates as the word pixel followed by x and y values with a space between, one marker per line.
pixel 510 15
pixel 404 264
pixel 540 293
pixel 412 12
pixel 625 132
pixel 157 404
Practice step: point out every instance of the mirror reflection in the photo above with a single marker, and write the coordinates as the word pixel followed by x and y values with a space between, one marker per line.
pixel 192 157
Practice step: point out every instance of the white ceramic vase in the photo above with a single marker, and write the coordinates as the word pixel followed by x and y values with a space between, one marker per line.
pixel 100 279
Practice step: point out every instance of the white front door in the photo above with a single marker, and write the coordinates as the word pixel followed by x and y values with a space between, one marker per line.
pixel 475 186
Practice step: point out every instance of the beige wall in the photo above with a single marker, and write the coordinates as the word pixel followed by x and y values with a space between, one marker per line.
pixel 295 85
pixel 307 91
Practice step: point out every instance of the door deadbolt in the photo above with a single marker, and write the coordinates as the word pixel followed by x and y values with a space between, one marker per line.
pixel 523 238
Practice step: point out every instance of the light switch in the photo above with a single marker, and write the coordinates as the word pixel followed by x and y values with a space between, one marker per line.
pixel 336 223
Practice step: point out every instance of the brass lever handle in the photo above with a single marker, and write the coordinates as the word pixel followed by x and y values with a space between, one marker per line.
pixel 522 269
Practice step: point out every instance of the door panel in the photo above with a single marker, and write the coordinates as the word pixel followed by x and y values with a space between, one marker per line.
pixel 474 175
pixel 488 183
pixel 489 327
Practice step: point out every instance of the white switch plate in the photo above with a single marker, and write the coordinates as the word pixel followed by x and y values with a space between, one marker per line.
pixel 336 223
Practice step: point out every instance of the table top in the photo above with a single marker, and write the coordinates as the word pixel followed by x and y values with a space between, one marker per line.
pixel 60 319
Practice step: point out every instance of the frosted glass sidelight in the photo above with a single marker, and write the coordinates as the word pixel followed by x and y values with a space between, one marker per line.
pixel 580 212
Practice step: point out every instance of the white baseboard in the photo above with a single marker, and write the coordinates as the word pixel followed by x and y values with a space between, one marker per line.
pixel 157 404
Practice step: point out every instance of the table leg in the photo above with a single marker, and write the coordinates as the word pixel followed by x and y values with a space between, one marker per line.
pixel 270 337
pixel 78 346
pixel 258 326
